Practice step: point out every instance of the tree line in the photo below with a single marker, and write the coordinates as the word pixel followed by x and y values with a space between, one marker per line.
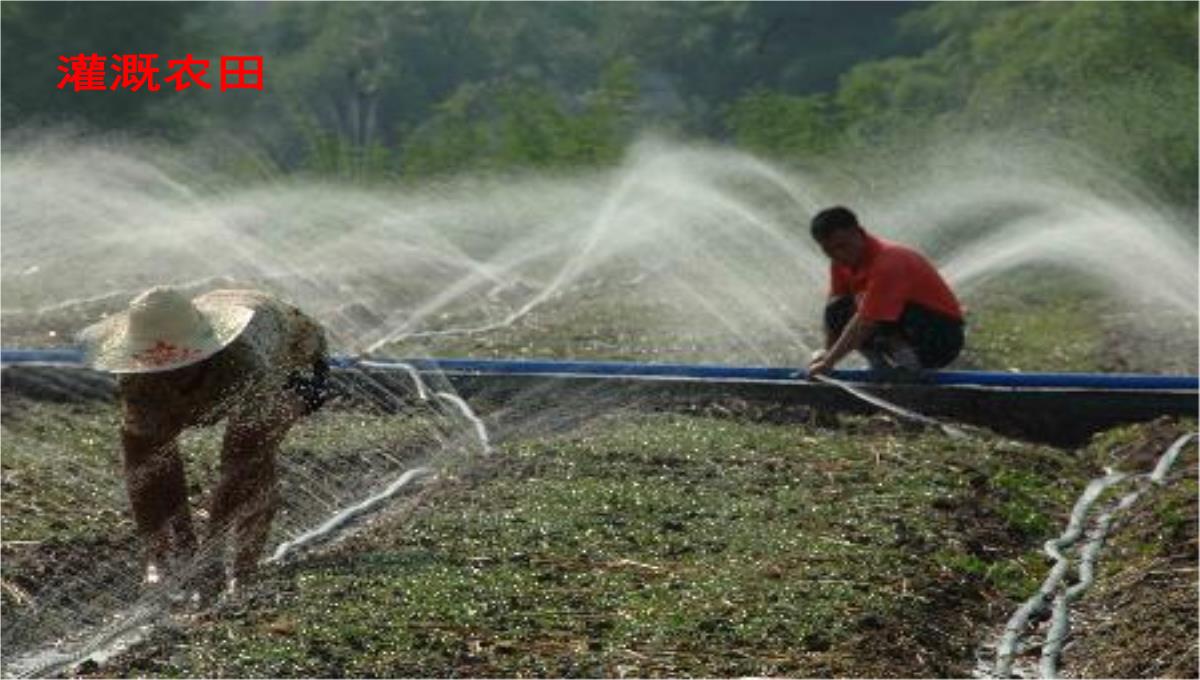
pixel 370 91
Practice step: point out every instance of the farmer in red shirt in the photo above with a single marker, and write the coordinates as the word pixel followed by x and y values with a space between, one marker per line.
pixel 886 300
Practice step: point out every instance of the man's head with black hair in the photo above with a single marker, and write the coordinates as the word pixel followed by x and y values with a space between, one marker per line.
pixel 840 235
pixel 830 220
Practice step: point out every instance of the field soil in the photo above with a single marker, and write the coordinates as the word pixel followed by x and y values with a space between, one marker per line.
pixel 599 540
pixel 708 542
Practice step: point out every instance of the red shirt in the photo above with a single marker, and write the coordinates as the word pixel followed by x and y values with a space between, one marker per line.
pixel 890 276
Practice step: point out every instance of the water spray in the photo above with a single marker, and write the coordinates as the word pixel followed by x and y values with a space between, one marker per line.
pixel 683 253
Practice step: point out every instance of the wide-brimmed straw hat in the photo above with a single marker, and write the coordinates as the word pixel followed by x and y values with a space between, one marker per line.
pixel 162 330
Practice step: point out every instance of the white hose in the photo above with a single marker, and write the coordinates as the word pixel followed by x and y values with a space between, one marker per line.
pixel 1060 623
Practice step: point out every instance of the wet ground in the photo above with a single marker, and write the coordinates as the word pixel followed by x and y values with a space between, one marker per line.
pixel 716 539
pixel 719 541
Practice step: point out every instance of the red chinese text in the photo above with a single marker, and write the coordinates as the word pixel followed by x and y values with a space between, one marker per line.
pixel 134 72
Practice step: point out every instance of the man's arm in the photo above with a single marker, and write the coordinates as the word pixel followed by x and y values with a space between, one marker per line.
pixel 853 336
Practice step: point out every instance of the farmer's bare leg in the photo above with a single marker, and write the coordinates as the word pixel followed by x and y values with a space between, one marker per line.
pixel 154 480
pixel 247 498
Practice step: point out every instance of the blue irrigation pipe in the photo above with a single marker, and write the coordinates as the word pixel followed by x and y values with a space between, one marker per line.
pixel 1103 381
pixel 722 372
pixel 64 356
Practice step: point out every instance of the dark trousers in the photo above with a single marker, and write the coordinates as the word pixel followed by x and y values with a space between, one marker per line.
pixel 936 338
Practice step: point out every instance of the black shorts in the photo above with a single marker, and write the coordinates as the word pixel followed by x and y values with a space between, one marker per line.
pixel 936 338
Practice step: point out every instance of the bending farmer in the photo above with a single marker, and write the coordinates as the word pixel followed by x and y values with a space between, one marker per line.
pixel 236 354
pixel 886 301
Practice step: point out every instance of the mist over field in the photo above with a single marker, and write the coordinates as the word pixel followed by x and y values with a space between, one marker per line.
pixel 496 154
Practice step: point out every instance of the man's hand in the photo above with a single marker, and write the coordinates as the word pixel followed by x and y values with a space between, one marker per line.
pixel 852 337
pixel 820 364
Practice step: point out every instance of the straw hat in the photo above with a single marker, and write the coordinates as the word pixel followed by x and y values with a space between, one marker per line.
pixel 161 331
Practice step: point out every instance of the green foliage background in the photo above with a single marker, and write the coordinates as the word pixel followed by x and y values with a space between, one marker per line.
pixel 379 91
